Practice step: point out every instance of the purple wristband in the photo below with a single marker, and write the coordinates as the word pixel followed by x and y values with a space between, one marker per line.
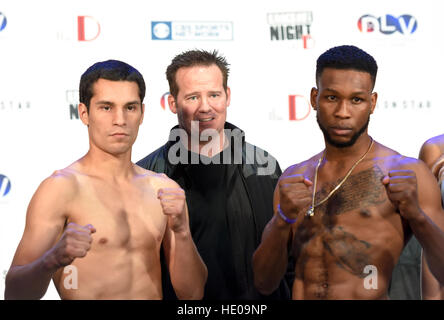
pixel 284 217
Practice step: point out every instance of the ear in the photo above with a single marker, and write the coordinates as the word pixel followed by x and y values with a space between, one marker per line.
pixel 172 104
pixel 228 96
pixel 374 99
pixel 83 114
pixel 313 98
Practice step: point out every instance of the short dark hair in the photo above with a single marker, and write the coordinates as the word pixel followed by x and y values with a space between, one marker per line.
pixel 113 70
pixel 347 57
pixel 193 58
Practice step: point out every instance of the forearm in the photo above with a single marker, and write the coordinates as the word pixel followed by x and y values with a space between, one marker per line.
pixel 270 259
pixel 29 281
pixel 431 238
pixel 188 272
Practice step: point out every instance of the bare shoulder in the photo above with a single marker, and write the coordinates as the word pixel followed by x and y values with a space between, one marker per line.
pixel 393 160
pixel 437 140
pixel 154 179
pixel 62 184
pixel 302 167
pixel 432 149
pixel 53 196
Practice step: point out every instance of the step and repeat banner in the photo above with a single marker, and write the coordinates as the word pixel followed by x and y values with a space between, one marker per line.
pixel 272 47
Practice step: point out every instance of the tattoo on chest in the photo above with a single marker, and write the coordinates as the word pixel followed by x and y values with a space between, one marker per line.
pixel 321 238
pixel 360 191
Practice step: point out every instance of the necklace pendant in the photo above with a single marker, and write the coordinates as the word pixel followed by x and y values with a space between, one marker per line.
pixel 310 212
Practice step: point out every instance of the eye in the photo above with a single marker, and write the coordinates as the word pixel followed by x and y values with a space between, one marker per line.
pixel 357 100
pixel 106 108
pixel 214 95
pixel 331 98
pixel 131 107
pixel 192 98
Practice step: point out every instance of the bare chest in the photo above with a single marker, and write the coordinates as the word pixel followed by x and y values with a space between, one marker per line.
pixel 357 226
pixel 127 218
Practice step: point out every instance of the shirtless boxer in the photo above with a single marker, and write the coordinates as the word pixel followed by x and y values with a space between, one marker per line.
pixel 368 198
pixel 105 216
pixel 432 153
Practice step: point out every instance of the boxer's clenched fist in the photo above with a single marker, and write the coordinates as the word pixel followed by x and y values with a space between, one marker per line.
pixel 295 196
pixel 402 190
pixel 173 205
pixel 74 243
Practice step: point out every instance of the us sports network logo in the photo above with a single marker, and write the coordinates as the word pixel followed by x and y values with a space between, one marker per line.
pixel 5 186
pixel 3 22
pixel 388 24
pixel 294 27
pixel 298 109
pixel 192 31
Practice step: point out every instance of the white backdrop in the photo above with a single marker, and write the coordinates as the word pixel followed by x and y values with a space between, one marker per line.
pixel 46 45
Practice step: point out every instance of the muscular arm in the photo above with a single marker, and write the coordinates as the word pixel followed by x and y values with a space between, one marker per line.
pixel 431 289
pixel 428 226
pixel 188 272
pixel 33 265
pixel 271 257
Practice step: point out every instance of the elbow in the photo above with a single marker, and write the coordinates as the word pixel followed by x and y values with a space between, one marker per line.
pixel 9 288
pixel 260 282
pixel 263 287
pixel 195 294
pixel 198 288
pixel 14 288
pixel 263 281
pixel 9 292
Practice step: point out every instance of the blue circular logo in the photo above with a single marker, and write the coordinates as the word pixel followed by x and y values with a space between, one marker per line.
pixel 5 185
pixel 3 21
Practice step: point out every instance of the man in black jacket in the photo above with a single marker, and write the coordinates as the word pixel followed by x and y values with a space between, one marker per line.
pixel 229 183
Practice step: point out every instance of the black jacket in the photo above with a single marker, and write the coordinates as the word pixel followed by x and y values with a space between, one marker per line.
pixel 259 188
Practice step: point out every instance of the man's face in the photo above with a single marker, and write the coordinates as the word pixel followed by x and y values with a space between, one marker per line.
pixel 344 102
pixel 115 114
pixel 201 98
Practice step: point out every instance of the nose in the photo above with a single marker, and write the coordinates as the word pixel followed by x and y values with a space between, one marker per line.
pixel 342 109
pixel 119 117
pixel 205 106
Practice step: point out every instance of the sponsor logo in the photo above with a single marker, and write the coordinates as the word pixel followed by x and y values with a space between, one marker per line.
pixel 388 24
pixel 291 26
pixel 404 104
pixel 299 109
pixel 164 100
pixel 72 98
pixel 189 30
pixel 88 28
pixel 3 21
pixel 14 105
pixel 5 185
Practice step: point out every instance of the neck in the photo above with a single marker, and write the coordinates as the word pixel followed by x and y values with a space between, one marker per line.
pixel 107 165
pixel 336 154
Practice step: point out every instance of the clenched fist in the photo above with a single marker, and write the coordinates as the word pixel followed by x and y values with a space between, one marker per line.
pixel 402 190
pixel 295 195
pixel 173 205
pixel 74 243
